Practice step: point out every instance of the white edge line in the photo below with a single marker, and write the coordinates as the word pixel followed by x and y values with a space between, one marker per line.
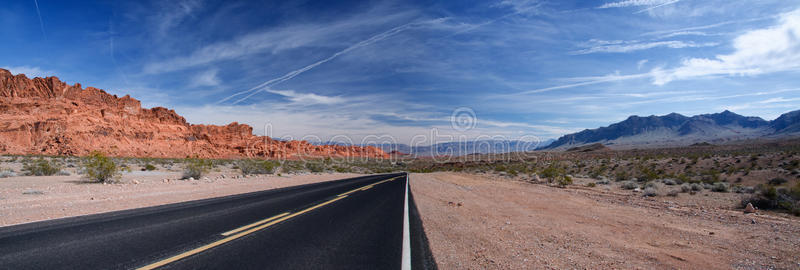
pixel 406 264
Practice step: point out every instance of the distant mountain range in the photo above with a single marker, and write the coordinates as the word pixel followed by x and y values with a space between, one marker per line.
pixel 459 148
pixel 678 130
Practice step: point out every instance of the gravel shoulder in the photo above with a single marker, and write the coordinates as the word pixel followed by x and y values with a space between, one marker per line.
pixel 35 198
pixel 488 222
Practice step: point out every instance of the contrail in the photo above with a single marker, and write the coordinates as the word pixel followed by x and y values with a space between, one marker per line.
pixel 494 20
pixel 259 88
pixel 41 23
pixel 657 6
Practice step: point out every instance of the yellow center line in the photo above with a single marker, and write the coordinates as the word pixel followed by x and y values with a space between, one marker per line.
pixel 365 187
pixel 253 225
pixel 233 237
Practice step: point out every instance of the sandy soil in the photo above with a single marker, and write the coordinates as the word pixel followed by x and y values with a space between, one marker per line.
pixel 34 198
pixel 486 222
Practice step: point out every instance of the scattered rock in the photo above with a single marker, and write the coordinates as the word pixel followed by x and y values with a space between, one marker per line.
pixel 33 192
pixel 749 208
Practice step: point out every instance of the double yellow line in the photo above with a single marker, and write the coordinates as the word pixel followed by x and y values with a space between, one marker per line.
pixel 256 226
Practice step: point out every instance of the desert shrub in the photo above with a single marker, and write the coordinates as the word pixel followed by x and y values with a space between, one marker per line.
pixel 650 191
pixel 7 173
pixel 552 172
pixel 342 169
pixel 252 166
pixel 673 193
pixel 629 185
pixel 315 167
pixel 683 178
pixel 719 187
pixel 686 187
pixel 696 187
pixel 149 167
pixel 98 167
pixel 777 181
pixel 707 186
pixel 591 184
pixel 63 173
pixel 40 167
pixel 768 197
pixel 749 190
pixel 196 167
pixel 669 182
pixel 602 181
pixel 621 176
pixel 564 181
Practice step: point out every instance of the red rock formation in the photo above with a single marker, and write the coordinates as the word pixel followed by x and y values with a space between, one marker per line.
pixel 47 116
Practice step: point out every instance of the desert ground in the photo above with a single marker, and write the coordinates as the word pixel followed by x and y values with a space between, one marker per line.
pixel 495 222
pixel 617 210
pixel 26 199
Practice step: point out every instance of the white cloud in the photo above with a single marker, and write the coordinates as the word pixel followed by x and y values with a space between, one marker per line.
pixel 685 33
pixel 756 52
pixel 636 3
pixel 174 14
pixel 205 78
pixel 623 47
pixel 641 63
pixel 288 76
pixel 356 124
pixel 271 41
pixel 773 49
pixel 30 71
pixel 307 99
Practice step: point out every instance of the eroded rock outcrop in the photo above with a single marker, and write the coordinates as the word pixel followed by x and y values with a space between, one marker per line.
pixel 48 116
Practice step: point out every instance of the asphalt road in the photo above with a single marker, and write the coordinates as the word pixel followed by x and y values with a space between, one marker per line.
pixel 354 223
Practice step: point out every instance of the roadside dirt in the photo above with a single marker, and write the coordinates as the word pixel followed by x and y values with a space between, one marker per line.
pixel 487 222
pixel 35 198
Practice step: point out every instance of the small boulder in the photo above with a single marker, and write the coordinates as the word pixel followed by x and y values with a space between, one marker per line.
pixel 749 209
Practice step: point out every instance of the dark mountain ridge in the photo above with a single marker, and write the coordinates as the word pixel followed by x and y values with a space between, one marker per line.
pixel 678 130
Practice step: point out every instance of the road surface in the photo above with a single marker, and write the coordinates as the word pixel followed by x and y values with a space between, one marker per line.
pixel 355 223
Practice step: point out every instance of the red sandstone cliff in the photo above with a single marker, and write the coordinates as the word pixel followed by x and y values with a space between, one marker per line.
pixel 47 116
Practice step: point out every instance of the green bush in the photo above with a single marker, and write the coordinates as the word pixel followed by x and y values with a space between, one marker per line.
pixel 149 167
pixel 253 166
pixel 40 167
pixel 552 172
pixel 98 167
pixel 719 187
pixel 768 197
pixel 777 181
pixel 629 185
pixel 564 181
pixel 315 167
pixel 196 168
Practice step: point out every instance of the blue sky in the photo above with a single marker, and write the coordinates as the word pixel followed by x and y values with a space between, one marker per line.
pixel 401 68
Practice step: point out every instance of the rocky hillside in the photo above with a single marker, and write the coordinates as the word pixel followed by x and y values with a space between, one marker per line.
pixel 678 130
pixel 47 116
